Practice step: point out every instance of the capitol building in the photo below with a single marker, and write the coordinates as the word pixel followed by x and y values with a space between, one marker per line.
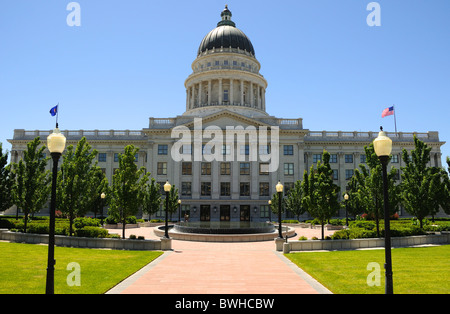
pixel 226 153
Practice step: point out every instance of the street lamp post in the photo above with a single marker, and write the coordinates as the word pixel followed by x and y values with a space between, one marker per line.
pixel 383 148
pixel 346 208
pixel 102 196
pixel 270 210
pixel 56 143
pixel 167 188
pixel 179 211
pixel 279 189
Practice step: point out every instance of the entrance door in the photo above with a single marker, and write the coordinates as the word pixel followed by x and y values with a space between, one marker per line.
pixel 224 212
pixel 245 212
pixel 205 212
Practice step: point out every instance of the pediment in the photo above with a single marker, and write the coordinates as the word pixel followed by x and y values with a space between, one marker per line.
pixel 226 118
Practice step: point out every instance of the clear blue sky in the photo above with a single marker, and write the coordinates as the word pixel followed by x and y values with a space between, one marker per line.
pixel 129 59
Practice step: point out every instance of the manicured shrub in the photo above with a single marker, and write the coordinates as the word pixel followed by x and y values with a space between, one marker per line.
pixel 91 232
pixel 82 222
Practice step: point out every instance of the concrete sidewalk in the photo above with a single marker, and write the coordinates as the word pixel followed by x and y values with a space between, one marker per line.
pixel 220 268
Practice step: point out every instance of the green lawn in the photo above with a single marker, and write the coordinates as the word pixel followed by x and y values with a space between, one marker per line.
pixel 416 270
pixel 23 268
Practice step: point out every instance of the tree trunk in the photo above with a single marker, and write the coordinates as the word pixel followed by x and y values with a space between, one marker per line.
pixel 123 228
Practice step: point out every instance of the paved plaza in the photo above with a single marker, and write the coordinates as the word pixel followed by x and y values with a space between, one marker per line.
pixel 220 268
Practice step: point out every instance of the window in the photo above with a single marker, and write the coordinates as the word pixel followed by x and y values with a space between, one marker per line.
pixel 206 168
pixel 335 174
pixel 205 189
pixel 185 210
pixel 264 211
pixel 186 168
pixel 162 149
pixel 136 157
pixel 225 95
pixel 234 63
pixel 288 169
pixel 225 189
pixel 186 188
pixel 264 149
pixel 317 157
pixel 208 64
pixel 333 159
pixel 186 149
pixel 225 168
pixel 348 159
pixel 244 149
pixel 244 189
pixel 226 149
pixel 363 159
pixel 162 168
pixel 348 174
pixel 288 150
pixel 102 157
pixel 394 159
pixel 263 188
pixel 263 169
pixel 245 168
pixel 288 186
pixel 116 157
pixel 225 62
pixel 206 149
pixel 216 63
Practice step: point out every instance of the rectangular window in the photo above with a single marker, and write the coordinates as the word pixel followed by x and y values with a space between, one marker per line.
pixel 244 150
pixel 264 149
pixel 394 159
pixel 288 150
pixel 335 174
pixel 206 168
pixel 348 174
pixel 186 149
pixel 263 169
pixel 116 157
pixel 206 149
pixel 225 168
pixel 225 189
pixel 162 168
pixel 244 189
pixel 264 211
pixel 348 159
pixel 333 159
pixel 162 149
pixel 186 168
pixel 363 159
pixel 226 149
pixel 102 157
pixel 244 168
pixel 206 189
pixel 264 189
pixel 317 157
pixel 225 95
pixel 186 188
pixel 288 169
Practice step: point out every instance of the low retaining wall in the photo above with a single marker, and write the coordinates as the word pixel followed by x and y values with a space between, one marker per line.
pixel 330 245
pixel 92 243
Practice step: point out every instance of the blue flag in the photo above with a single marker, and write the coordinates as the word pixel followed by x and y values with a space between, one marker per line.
pixel 54 111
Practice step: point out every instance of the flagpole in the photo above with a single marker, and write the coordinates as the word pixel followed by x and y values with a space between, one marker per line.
pixel 395 121
pixel 57 115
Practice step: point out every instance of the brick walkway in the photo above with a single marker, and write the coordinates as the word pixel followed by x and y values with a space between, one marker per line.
pixel 220 268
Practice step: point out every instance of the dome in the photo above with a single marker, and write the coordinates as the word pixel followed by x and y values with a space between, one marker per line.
pixel 226 35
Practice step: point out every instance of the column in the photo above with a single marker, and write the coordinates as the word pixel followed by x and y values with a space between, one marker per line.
pixel 242 92
pixel 209 92
pixel 251 95
pixel 220 92
pixel 192 91
pixel 258 97
pixel 264 99
pixel 231 92
pixel 200 88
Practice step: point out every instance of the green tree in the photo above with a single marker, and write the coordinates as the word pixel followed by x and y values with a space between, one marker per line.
pixel 354 205
pixel 421 184
pixel 370 187
pixel 320 193
pixel 445 203
pixel 97 184
pixel 173 200
pixel 128 187
pixel 294 200
pixel 152 198
pixel 72 194
pixel 275 203
pixel 6 182
pixel 32 187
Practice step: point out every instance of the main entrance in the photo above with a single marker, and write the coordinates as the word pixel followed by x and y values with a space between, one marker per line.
pixel 205 212
pixel 245 212
pixel 224 212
